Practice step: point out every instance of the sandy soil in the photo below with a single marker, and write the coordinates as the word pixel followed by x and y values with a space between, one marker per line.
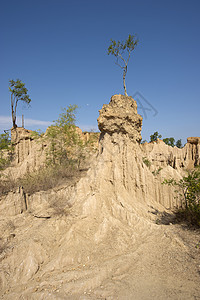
pixel 162 262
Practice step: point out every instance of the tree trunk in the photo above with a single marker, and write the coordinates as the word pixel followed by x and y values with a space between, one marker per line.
pixel 14 119
pixel 124 76
pixel 13 113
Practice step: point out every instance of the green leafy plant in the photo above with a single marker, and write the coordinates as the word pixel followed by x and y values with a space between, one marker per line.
pixel 4 141
pixel 4 163
pixel 179 144
pixel 169 141
pixel 146 162
pixel 65 143
pixel 122 51
pixel 155 136
pixel 36 134
pixel 6 150
pixel 188 189
pixel 156 172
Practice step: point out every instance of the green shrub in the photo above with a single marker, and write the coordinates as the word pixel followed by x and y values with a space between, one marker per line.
pixel 169 141
pixel 146 162
pixel 156 172
pixel 6 150
pixel 36 134
pixel 154 137
pixel 4 141
pixel 188 188
pixel 179 144
pixel 64 142
pixel 4 163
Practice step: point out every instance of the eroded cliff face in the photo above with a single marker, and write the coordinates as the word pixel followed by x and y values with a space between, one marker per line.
pixel 123 158
pixel 29 153
pixel 104 222
pixel 162 155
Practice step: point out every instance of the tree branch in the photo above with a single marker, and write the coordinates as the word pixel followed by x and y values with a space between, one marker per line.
pixel 122 58
pixel 119 65
pixel 129 54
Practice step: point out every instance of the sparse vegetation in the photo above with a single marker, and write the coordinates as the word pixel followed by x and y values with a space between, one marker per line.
pixel 156 172
pixel 169 141
pixel 179 144
pixel 118 50
pixel 188 189
pixel 143 141
pixel 6 150
pixel 4 163
pixel 146 162
pixel 155 136
pixel 7 184
pixel 66 151
pixel 65 143
pixel 18 93
pixel 4 141
pixel 36 134
pixel 45 178
pixel 49 177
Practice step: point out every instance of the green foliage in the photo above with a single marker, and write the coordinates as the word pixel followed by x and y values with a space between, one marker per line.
pixel 179 144
pixel 156 172
pixel 6 150
pixel 67 119
pixel 18 93
pixel 3 163
pixel 122 51
pixel 36 134
pixel 146 162
pixel 4 141
pixel 169 141
pixel 65 142
pixel 118 48
pixel 155 136
pixel 188 188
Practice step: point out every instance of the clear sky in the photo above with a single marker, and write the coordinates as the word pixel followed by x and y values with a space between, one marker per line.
pixel 58 48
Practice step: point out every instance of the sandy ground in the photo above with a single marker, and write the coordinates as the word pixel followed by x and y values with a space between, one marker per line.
pixel 161 262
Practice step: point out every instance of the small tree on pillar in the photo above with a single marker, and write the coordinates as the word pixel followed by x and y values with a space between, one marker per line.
pixel 122 51
pixel 18 93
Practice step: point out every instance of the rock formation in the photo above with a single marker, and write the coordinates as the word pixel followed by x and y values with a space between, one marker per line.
pixel 30 151
pixel 92 248
pixel 29 154
pixel 120 116
pixel 162 155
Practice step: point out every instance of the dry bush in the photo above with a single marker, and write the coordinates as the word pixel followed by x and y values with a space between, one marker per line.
pixel 49 177
pixel 7 184
pixel 43 179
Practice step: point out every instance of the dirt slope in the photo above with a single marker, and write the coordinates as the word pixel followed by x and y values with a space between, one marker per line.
pixel 105 243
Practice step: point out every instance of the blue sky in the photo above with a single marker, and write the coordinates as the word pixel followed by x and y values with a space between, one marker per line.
pixel 58 48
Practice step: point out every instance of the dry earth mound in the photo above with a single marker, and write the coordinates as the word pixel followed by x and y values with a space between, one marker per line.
pixel 104 243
